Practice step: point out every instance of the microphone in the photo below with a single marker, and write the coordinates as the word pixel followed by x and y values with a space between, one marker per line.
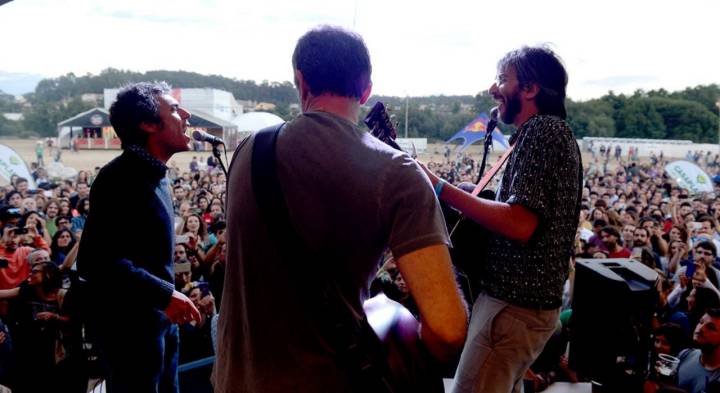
pixel 205 137
pixel 492 123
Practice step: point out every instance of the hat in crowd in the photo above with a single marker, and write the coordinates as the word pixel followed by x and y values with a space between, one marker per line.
pixel 183 267
pixel 8 213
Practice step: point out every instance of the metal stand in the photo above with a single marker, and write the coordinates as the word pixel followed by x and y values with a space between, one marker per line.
pixel 486 151
pixel 216 153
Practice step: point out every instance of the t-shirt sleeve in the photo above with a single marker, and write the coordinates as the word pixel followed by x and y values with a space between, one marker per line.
pixel 410 209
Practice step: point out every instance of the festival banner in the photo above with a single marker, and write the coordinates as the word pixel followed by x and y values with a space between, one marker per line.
pixel 12 164
pixel 689 176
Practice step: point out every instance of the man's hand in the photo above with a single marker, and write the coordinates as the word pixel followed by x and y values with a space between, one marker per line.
pixel 683 281
pixel 181 309
pixel 700 275
pixel 207 304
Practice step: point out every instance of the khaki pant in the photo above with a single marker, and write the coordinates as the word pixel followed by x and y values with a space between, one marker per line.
pixel 502 342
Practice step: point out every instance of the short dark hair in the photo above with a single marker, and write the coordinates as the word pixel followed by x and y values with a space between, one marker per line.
pixel 540 66
pixel 647 233
pixel 707 245
pixel 333 60
pixel 706 217
pixel 610 230
pixel 136 104
pixel 599 223
pixel 713 312
pixel 59 217
pixel 648 219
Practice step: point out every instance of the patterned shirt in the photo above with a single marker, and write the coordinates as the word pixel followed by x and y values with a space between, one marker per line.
pixel 544 175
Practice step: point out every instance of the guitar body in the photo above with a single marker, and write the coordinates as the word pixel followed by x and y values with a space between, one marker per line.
pixel 469 242
pixel 411 368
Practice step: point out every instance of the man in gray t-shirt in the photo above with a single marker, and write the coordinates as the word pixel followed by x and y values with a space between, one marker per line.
pixel 700 367
pixel 349 196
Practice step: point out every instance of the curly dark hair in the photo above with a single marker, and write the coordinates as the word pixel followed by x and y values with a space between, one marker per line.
pixel 136 104
pixel 541 66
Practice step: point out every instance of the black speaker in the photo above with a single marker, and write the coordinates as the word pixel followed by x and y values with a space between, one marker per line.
pixel 610 326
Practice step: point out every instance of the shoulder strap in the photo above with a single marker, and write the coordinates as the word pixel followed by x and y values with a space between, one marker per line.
pixel 268 193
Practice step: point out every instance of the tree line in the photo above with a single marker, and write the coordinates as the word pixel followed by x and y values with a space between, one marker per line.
pixel 688 114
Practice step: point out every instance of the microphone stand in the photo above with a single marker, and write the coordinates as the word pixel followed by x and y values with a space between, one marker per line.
pixel 216 153
pixel 486 150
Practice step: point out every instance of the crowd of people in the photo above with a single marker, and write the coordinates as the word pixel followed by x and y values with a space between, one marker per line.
pixel 631 209
pixel 43 342
pixel 52 277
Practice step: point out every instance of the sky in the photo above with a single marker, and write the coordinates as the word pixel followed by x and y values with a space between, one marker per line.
pixel 417 48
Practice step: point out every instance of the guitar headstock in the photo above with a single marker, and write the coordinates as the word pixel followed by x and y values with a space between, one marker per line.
pixel 380 125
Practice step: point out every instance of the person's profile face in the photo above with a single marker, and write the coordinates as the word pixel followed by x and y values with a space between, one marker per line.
pixel 506 93
pixel 173 124
pixel 707 331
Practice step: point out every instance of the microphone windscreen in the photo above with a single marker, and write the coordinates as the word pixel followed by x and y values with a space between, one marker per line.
pixel 197 135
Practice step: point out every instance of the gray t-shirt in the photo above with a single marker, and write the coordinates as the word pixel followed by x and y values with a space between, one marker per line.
pixel 349 195
pixel 692 376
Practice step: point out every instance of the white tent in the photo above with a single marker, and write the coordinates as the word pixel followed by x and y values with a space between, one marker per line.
pixel 248 123
pixel 255 121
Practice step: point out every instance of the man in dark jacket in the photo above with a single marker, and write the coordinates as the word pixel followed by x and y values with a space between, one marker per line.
pixel 126 251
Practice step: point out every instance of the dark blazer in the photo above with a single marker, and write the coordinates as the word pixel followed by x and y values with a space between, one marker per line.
pixel 126 251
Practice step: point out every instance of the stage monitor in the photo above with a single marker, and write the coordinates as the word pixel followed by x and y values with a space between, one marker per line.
pixel 610 327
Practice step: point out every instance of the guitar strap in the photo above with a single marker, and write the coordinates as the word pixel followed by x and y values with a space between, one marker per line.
pixel 493 170
pixel 357 349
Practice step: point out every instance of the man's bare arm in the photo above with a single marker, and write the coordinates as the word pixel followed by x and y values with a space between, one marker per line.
pixel 443 313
